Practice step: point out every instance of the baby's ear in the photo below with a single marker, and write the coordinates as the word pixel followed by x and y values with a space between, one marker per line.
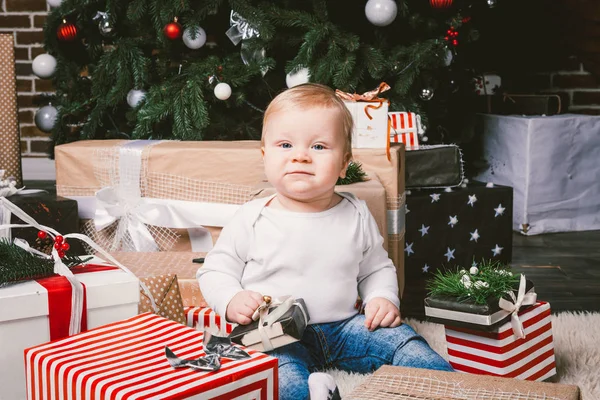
pixel 262 151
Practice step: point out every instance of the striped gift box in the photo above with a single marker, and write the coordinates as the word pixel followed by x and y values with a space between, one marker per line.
pixel 405 127
pixel 204 318
pixel 500 353
pixel 126 360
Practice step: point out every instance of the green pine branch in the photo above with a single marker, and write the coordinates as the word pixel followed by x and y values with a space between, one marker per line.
pixel 17 264
pixel 354 174
pixel 490 280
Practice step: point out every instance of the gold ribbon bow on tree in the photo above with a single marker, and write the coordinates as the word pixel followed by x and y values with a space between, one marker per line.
pixel 372 96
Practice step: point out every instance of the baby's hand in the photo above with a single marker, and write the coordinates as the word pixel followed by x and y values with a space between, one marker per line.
pixel 381 312
pixel 242 306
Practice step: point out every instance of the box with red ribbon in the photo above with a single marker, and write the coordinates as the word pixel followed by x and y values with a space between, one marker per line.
pixel 38 311
pixel 502 352
pixel 369 113
pixel 405 127
pixel 128 359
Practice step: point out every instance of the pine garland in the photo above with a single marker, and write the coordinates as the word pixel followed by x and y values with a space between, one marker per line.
pixel 354 174
pixel 489 280
pixel 17 264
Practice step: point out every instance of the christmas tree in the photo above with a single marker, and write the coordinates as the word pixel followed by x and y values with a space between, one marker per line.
pixel 206 70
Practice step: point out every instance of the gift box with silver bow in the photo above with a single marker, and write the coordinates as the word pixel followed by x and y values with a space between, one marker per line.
pixel 279 322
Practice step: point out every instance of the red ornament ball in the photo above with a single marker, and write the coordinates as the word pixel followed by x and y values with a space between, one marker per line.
pixel 440 4
pixel 58 239
pixel 42 235
pixel 67 32
pixel 65 246
pixel 173 30
pixel 61 253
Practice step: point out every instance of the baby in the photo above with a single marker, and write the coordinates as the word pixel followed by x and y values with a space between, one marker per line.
pixel 313 243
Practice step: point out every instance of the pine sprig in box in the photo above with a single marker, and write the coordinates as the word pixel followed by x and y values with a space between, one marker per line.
pixel 472 298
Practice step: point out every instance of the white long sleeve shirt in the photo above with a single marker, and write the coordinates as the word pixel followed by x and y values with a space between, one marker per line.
pixel 326 258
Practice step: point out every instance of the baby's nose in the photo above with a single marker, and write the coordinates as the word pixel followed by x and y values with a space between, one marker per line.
pixel 301 155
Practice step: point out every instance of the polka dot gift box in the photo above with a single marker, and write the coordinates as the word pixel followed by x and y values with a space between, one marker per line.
pixel 10 148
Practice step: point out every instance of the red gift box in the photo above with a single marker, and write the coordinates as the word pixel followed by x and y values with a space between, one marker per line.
pixel 405 127
pixel 501 353
pixel 202 318
pixel 126 360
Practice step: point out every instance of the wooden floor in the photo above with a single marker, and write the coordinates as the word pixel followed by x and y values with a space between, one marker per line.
pixel 564 267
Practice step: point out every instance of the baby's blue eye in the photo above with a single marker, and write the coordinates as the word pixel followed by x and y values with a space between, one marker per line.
pixel 318 147
pixel 286 145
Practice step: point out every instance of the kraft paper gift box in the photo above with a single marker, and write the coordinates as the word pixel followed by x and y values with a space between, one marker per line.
pixel 180 263
pixel 10 141
pixel 551 163
pixel 126 359
pixel 37 311
pixel 502 353
pixel 390 382
pixel 203 183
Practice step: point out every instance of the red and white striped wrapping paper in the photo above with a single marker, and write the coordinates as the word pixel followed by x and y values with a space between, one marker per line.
pixel 205 318
pixel 500 353
pixel 126 360
pixel 405 128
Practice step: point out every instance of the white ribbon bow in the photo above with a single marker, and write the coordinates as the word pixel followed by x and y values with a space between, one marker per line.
pixel 60 268
pixel 522 299
pixel 281 305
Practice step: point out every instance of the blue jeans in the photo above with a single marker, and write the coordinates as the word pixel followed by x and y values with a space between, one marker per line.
pixel 347 345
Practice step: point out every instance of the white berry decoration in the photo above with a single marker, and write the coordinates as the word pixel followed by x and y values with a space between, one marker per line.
pixel 473 270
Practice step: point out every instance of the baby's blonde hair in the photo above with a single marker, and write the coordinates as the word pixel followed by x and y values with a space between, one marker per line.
pixel 312 95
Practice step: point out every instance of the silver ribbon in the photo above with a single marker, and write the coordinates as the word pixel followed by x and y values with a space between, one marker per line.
pixel 61 269
pixel 240 29
pixel 281 305
pixel 522 299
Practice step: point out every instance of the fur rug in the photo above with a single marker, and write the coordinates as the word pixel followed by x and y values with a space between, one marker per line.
pixel 576 347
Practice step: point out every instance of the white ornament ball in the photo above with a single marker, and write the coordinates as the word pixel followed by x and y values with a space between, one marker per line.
pixel 381 12
pixel 135 97
pixel 54 3
pixel 45 118
pixel 489 185
pixel 473 270
pixel 222 91
pixel 44 66
pixel 297 78
pixel 448 58
pixel 198 41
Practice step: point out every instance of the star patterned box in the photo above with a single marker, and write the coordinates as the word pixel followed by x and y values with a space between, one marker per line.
pixel 454 227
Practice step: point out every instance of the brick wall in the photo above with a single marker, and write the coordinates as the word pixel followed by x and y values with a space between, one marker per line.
pixel 24 19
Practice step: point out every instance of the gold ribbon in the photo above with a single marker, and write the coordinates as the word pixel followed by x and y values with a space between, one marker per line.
pixel 372 96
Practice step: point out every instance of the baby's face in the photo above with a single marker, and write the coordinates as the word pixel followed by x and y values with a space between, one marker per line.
pixel 304 152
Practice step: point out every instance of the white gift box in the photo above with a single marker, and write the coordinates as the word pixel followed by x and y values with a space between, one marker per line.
pixel 553 165
pixel 369 133
pixel 24 318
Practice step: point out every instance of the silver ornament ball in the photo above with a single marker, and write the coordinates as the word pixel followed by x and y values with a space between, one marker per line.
pixel 134 97
pixel 426 94
pixel 381 12
pixel 105 24
pixel 222 91
pixel 45 118
pixel 199 37
pixel 297 77
pixel 492 3
pixel 54 3
pixel 44 66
